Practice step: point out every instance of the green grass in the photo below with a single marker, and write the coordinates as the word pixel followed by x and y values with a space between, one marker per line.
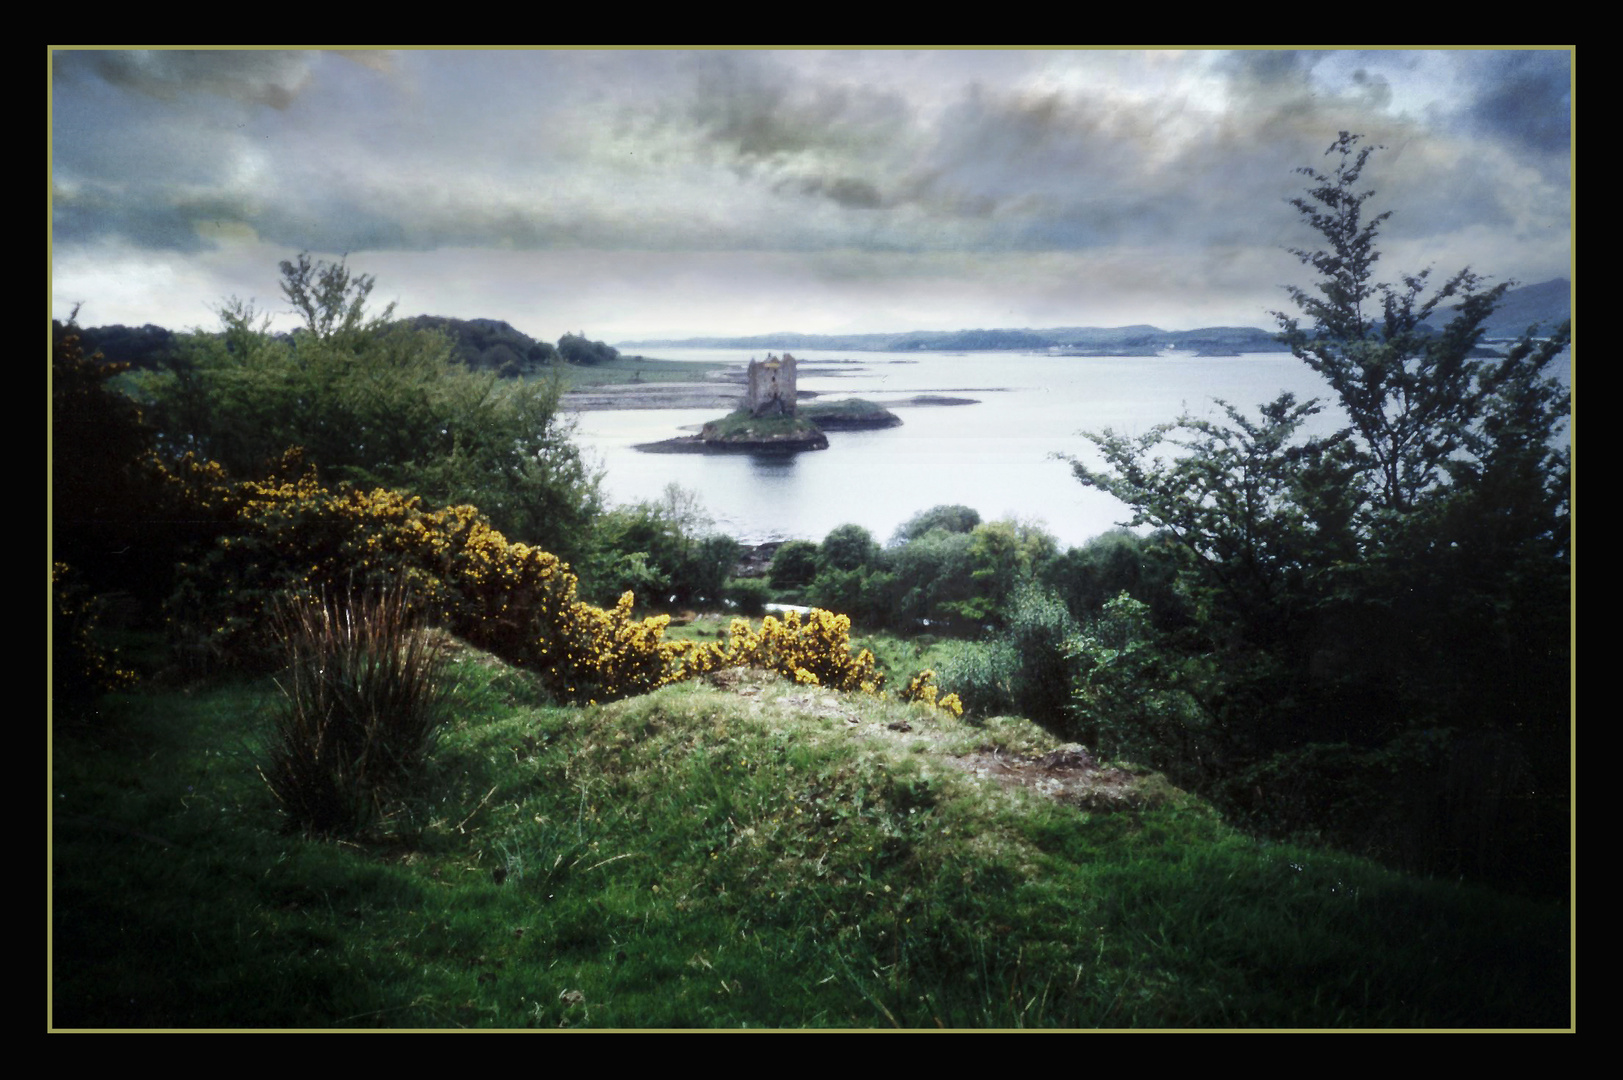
pixel 742 425
pixel 743 857
pixel 854 407
pixel 848 415
pixel 629 369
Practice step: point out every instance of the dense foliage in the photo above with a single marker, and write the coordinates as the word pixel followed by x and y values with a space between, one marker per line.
pixel 490 345
pixel 1410 573
pixel 374 403
pixel 579 349
pixel 289 539
pixel 146 346
pixel 664 550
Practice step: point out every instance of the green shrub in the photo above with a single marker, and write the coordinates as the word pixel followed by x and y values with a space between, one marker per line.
pixel 1132 698
pixel 662 549
pixel 849 547
pixel 951 519
pixel 982 674
pixel 794 565
pixel 81 667
pixel 1026 669
pixel 1040 630
pixel 364 692
pixel 749 595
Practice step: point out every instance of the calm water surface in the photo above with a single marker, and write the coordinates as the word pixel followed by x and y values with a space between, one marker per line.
pixel 994 456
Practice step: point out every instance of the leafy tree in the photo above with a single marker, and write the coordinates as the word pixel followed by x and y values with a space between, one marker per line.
pixel 1132 697
pixel 1144 567
pixel 376 404
pixel 848 547
pixel 146 346
pixel 1260 514
pixel 489 344
pixel 662 549
pixel 933 577
pixel 1408 574
pixel 794 565
pixel 1416 400
pixel 1463 526
pixel 953 519
pixel 331 299
pixel 578 349
pixel 1003 555
pixel 113 511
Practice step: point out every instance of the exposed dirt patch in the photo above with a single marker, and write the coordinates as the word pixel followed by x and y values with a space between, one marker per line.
pixel 1069 774
pixel 737 679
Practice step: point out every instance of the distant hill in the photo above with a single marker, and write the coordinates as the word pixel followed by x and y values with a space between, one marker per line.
pixel 1544 305
pixel 146 346
pixel 1140 338
pixel 489 344
pixel 493 345
pixel 481 344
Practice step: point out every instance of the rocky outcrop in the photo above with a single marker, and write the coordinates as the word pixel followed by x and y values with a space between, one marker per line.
pixel 852 415
pixel 763 434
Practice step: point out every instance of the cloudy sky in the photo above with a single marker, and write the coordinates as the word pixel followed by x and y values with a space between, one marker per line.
pixel 638 194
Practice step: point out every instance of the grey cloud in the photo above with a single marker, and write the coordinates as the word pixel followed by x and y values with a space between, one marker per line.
pixel 1376 89
pixel 1268 71
pixel 846 191
pixel 1522 97
pixel 259 77
pixel 154 221
pixel 740 152
pixel 756 111
pixel 823 140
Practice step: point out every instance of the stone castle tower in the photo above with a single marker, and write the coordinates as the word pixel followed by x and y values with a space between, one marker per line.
pixel 771 386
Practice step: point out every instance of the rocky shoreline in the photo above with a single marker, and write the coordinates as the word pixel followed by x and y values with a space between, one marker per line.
pixel 698 444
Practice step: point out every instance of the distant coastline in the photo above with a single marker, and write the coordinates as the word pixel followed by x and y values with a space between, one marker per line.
pixel 1137 340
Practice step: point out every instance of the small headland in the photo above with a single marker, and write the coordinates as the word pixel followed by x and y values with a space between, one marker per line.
pixel 853 414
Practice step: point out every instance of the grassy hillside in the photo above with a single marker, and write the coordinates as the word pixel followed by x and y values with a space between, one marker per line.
pixel 738 852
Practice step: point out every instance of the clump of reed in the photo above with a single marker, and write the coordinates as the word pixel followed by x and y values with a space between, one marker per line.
pixel 364 694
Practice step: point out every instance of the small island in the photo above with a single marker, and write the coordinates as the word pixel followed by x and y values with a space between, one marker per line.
pixel 853 414
pixel 772 421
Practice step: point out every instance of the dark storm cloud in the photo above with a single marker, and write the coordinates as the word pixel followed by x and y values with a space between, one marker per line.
pixel 151 222
pixel 756 111
pixel 263 78
pixel 1269 69
pixel 1521 97
pixel 708 151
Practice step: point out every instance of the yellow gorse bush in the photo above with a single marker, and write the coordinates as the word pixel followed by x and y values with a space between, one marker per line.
pixel 81 662
pixel 288 535
pixel 814 651
pixel 922 687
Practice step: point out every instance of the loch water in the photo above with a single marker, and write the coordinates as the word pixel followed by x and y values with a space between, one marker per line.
pixel 996 455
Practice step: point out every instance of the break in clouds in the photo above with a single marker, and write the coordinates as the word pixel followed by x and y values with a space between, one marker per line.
pixel 940 173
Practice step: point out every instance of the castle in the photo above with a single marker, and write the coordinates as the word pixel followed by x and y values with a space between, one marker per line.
pixel 771 386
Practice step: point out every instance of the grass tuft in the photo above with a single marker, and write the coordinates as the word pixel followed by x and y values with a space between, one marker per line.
pixel 364 693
